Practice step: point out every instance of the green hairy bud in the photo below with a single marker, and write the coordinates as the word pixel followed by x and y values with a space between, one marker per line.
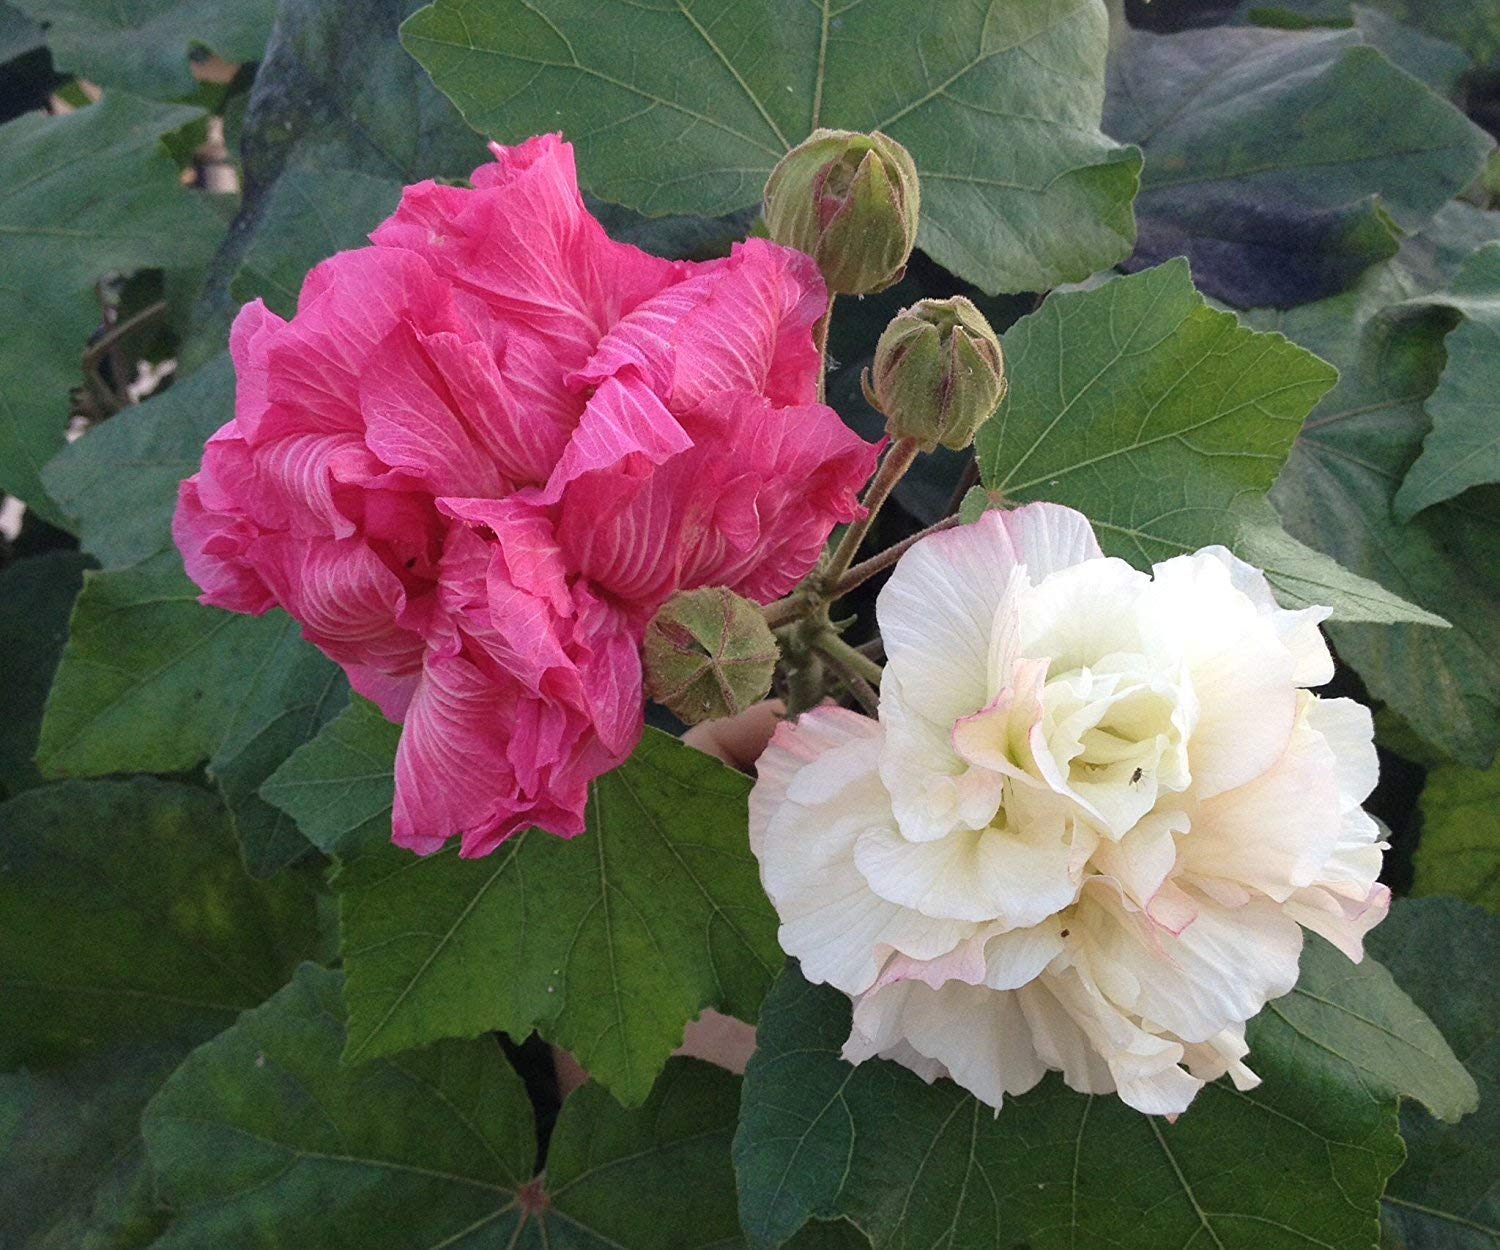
pixel 849 201
pixel 939 373
pixel 708 653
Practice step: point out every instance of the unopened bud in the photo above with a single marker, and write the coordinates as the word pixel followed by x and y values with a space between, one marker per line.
pixel 708 653
pixel 939 373
pixel 850 201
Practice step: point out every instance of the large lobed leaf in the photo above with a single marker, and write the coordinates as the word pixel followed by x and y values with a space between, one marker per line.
pixel 264 1140
pixel 687 107
pixel 1337 493
pixel 153 681
pixel 1165 422
pixel 335 95
pixel 1445 1196
pixel 128 918
pixel 117 485
pixel 36 596
pixel 143 47
pixel 1459 851
pixel 73 1171
pixel 1282 163
pixel 1463 447
pixel 82 195
pixel 608 944
pixel 1473 25
pixel 1301 1160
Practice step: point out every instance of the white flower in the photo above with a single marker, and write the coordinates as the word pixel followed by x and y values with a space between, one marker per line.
pixel 1085 832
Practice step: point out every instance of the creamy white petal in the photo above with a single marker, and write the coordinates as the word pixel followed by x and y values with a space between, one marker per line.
pixel 1060 1043
pixel 936 614
pixel 1083 613
pixel 1143 1065
pixel 1142 860
pixel 1016 877
pixel 830 919
pixel 933 789
pixel 1338 918
pixel 979 1036
pixel 1350 731
pixel 1221 969
pixel 1241 671
pixel 1297 628
pixel 1276 833
pixel 1223 1053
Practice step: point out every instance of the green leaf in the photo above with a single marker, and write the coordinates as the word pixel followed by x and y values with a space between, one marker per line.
pixel 250 696
pixel 18 33
pixel 1437 62
pixel 335 93
pixel 265 1140
pixel 1473 25
pixel 1445 1197
pixel 73 1169
pixel 608 943
pixel 686 108
pixel 128 919
pixel 117 485
pixel 1463 447
pixel 1299 1161
pixel 1282 164
pixel 1459 853
pixel 1336 493
pixel 657 1176
pixel 153 681
pixel 1161 418
pixel 143 47
pixel 81 195
pixel 88 192
pixel 36 596
pixel 1304 577
pixel 1155 414
pixel 339 787
pixel 1348 1016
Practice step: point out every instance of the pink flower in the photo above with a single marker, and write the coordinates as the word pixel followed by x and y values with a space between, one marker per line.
pixel 483 453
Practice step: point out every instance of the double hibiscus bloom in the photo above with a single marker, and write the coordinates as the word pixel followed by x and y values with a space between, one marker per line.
pixel 487 449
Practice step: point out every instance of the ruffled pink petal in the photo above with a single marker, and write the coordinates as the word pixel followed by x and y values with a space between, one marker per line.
pixel 213 547
pixel 743 325
pixel 522 240
pixel 346 600
pixel 349 306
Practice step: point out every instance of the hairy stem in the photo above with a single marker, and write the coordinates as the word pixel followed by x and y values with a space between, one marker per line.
pixel 878 563
pixel 847 658
pixel 893 466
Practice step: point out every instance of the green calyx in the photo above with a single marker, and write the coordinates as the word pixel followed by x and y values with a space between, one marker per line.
pixel 939 373
pixel 708 653
pixel 851 202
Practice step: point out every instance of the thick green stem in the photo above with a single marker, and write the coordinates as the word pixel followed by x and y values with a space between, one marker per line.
pixel 848 658
pixel 804 684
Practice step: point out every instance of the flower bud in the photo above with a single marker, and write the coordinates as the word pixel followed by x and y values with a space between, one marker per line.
pixel 850 202
pixel 708 653
pixel 939 373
